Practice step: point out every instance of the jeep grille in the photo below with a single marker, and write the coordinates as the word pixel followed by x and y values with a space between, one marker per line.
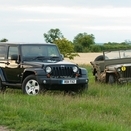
pixel 127 72
pixel 62 72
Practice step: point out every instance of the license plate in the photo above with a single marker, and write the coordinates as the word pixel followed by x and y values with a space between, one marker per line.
pixel 68 81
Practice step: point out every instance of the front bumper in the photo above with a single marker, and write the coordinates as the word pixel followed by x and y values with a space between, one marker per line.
pixel 59 81
pixel 124 80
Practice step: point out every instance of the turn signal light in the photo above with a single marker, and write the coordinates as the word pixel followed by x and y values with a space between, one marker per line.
pixel 48 75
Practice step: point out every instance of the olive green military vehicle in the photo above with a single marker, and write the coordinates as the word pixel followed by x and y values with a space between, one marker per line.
pixel 113 66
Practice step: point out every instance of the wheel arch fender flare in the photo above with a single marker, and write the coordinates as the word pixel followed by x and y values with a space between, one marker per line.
pixel 36 72
pixel 83 70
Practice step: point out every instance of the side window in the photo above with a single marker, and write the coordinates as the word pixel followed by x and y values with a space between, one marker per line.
pixel 13 52
pixel 2 52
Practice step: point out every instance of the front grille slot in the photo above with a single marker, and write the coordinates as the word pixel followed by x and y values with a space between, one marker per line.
pixel 127 72
pixel 62 72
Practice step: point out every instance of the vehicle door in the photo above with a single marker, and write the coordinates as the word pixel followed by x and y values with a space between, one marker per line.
pixel 3 60
pixel 13 66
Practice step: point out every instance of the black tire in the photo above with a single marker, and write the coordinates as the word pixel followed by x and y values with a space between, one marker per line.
pixel 96 80
pixel 31 86
pixel 99 58
pixel 111 79
pixel 2 88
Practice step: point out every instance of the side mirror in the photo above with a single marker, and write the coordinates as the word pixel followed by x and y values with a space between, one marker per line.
pixel 14 57
pixel 62 56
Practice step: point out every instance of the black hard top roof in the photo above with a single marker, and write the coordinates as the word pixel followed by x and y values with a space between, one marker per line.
pixel 13 43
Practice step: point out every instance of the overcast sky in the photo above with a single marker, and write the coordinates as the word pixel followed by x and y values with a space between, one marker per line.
pixel 27 21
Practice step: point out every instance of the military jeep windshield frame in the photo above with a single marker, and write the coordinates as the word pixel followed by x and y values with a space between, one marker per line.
pixel 118 54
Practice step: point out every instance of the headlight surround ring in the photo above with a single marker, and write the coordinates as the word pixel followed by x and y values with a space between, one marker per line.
pixel 48 69
pixel 75 69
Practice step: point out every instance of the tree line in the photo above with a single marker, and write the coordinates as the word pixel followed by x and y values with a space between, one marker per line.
pixel 81 43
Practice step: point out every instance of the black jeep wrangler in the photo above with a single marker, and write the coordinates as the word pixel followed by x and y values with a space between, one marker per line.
pixel 36 67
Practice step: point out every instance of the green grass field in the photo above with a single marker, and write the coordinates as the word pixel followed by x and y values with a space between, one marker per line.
pixel 101 108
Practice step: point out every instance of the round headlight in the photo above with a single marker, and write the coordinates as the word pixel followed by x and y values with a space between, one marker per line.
pixel 118 69
pixel 48 69
pixel 75 69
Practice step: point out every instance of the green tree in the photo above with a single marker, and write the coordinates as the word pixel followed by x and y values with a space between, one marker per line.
pixel 96 48
pixel 3 40
pixel 52 35
pixel 66 48
pixel 85 40
pixel 78 48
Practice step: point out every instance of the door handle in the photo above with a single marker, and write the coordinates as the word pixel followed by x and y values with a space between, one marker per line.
pixel 7 63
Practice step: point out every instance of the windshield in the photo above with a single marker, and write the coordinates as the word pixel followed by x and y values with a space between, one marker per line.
pixel 117 54
pixel 39 51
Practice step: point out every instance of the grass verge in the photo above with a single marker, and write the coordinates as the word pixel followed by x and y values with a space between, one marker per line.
pixel 101 108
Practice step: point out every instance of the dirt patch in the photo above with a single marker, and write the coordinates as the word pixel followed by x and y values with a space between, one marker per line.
pixel 84 58
pixel 3 128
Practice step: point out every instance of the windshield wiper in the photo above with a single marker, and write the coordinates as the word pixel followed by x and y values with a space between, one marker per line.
pixel 39 58
pixel 54 57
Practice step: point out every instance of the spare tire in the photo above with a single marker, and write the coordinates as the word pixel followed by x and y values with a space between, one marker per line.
pixel 99 58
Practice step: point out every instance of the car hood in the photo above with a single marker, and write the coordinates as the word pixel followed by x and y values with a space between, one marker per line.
pixel 41 64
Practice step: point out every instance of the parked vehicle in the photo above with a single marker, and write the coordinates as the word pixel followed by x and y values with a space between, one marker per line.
pixel 113 66
pixel 37 67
